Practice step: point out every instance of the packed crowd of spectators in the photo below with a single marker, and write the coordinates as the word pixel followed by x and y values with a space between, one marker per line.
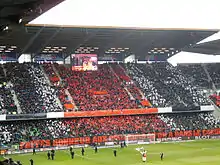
pixel 190 121
pixel 16 131
pixel 98 90
pixel 33 92
pixel 119 70
pixel 197 74
pixel 214 72
pixel 7 105
pixel 148 84
pixel 165 85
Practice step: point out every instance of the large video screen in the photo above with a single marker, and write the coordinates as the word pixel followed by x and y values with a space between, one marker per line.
pixel 84 62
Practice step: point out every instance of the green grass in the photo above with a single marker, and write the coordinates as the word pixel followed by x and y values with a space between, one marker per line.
pixel 189 153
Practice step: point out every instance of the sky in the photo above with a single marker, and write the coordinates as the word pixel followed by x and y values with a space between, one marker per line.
pixel 189 14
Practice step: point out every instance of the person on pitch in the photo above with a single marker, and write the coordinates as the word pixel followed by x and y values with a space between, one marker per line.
pixel 161 156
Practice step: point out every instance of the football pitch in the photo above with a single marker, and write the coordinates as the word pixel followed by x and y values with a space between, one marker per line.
pixel 187 153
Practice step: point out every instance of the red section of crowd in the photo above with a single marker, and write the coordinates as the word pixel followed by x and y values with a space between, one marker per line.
pixel 132 88
pixel 116 125
pixel 216 99
pixel 80 85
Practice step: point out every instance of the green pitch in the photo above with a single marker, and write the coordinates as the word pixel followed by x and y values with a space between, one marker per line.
pixel 188 153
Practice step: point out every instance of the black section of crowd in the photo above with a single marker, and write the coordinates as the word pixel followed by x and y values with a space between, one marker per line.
pixel 167 86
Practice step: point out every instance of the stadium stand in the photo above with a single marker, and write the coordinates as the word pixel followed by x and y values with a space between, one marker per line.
pixel 197 74
pixel 165 85
pixel 214 71
pixel 99 90
pixel 15 132
pixel 7 105
pixel 32 90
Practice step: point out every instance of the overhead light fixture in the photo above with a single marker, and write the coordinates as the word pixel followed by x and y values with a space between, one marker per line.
pixel 171 48
pixel 44 51
pixel 20 20
pixel 6 28
pixel 155 48
pixel 56 51
pixel 122 50
pixel 162 52
pixel 10 49
pixel 2 46
pixel 163 48
pixel 113 48
pixel 119 48
pixel 166 50
pixel 56 47
pixel 48 47
pixel 126 48
pixel 7 51
pixel 63 47
pixel 96 48
pixel 14 47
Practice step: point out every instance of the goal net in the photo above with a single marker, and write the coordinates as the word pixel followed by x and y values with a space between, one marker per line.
pixel 140 139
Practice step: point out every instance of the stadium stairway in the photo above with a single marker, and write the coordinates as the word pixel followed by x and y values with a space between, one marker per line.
pixel 209 77
pixel 45 75
pixel 14 96
pixel 129 94
pixel 66 90
pixel 48 81
pixel 141 93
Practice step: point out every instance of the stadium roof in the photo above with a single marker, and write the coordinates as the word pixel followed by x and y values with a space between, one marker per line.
pixel 67 40
pixel 140 42
pixel 210 48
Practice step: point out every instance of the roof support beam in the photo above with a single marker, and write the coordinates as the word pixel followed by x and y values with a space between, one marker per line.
pixel 30 42
pixel 117 41
pixel 48 40
pixel 86 38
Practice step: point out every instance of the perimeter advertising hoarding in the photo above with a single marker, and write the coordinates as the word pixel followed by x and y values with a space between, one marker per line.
pixel 84 62
pixel 48 57
pixel 8 57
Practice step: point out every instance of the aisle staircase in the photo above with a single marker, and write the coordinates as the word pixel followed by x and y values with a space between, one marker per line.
pixel 126 89
pixel 14 96
pixel 49 83
pixel 66 90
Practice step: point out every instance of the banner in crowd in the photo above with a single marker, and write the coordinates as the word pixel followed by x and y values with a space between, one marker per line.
pixel 111 112
pixel 106 139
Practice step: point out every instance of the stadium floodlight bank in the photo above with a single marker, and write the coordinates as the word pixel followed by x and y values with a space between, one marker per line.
pixel 140 139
